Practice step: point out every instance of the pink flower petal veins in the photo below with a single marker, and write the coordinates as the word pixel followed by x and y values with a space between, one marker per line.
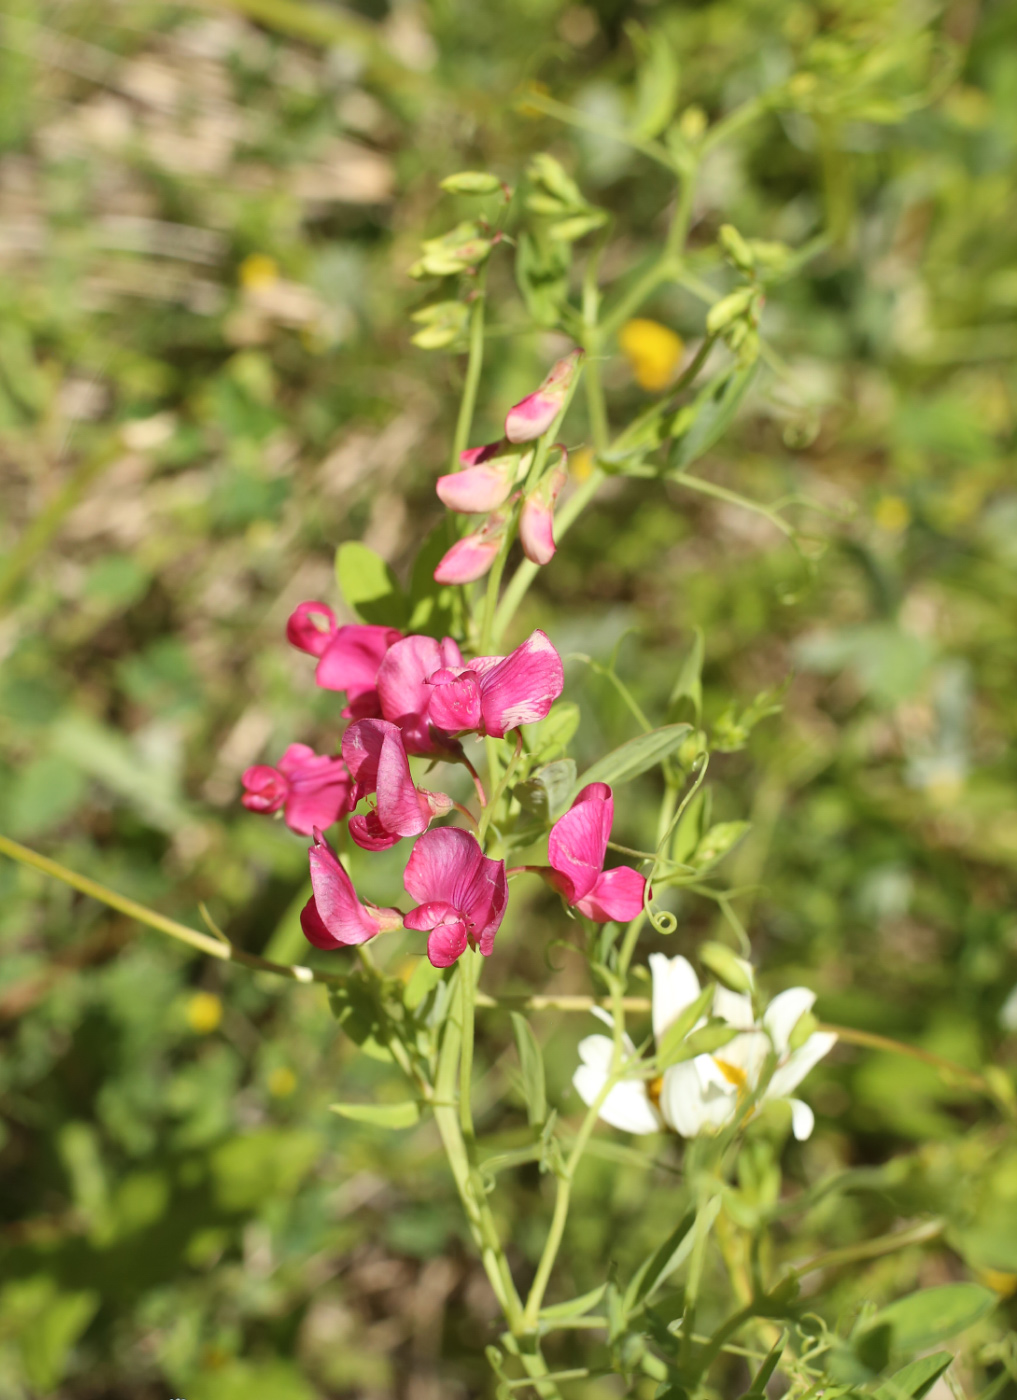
pixel 376 755
pixel 521 688
pixel 351 661
pixel 455 701
pixel 576 849
pixel 315 789
pixel 452 880
pixel 403 690
pixel 616 895
pixel 334 917
pixel 265 788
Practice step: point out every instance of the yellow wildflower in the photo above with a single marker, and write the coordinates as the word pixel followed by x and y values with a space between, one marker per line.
pixel 204 1012
pixel 258 271
pixel 581 464
pixel 892 514
pixel 653 351
pixel 282 1082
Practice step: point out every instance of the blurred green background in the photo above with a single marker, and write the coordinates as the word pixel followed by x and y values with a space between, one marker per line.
pixel 207 383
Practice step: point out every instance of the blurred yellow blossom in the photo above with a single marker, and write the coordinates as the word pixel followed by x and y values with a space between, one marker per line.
pixel 652 350
pixel 204 1012
pixel 1002 1283
pixel 282 1082
pixel 258 271
pixel 581 464
pixel 892 514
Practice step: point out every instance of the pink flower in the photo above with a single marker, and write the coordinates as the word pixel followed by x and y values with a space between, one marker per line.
pixel 472 556
pixel 487 478
pixel 576 849
pixel 461 894
pixel 536 519
pixel 494 694
pixel 532 416
pixel 313 789
pixel 349 656
pixel 403 690
pixel 334 917
pixel 374 752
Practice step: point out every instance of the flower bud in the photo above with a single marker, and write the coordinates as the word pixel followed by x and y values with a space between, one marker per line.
pixel 532 416
pixel 536 520
pixel 472 556
pixel 471 182
pixel 488 475
pixel 727 966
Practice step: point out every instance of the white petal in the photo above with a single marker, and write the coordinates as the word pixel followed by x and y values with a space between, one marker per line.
pixel 747 1053
pixel 803 1120
pixel 734 1008
pixel 784 1013
pixel 789 1075
pixel 597 1051
pixel 695 1096
pixel 675 986
pixel 627 1106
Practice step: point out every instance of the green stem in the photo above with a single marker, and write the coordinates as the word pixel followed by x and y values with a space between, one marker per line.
pixel 467 1004
pixel 720 493
pixel 571 116
pixel 873 1249
pixel 474 364
pixel 49 520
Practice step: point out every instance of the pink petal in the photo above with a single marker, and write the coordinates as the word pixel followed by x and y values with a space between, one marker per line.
pixel 427 915
pixel 455 701
pixel 522 688
pixel 442 865
pixel 266 789
pixel 473 456
pixel 314 930
pixel 478 489
pixel 341 914
pixel 317 806
pixel 468 559
pixel 617 894
pixel 577 844
pixel 351 660
pixel 536 520
pixel 362 745
pixel 532 416
pixel 403 689
pixel 446 943
pixel 368 832
pixel 305 632
pixel 399 806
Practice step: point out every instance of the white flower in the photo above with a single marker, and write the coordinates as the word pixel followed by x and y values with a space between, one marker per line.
pixel 702 1094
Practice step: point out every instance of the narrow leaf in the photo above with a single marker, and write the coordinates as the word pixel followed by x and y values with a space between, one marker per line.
pixel 424 978
pixel 380 1115
pixel 661 1262
pixel 638 755
pixel 575 1307
pixel 532 1063
pixel 932 1315
pixel 689 685
pixel 714 411
pixel 547 792
pixel 912 1381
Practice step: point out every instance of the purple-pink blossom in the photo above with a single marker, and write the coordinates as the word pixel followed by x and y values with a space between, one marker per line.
pixel 403 692
pixel 472 556
pixel 576 849
pixel 485 481
pixel 334 917
pixel 312 789
pixel 532 416
pixel 494 694
pixel 348 656
pixel 461 894
pixel 376 757
pixel 536 519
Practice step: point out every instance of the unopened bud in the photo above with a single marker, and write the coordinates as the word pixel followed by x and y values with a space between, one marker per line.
pixel 471 182
pixel 727 966
pixel 532 416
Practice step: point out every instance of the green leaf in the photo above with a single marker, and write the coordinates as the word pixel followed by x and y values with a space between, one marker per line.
pixel 914 1379
pixel 423 980
pixel 380 1115
pixel 689 685
pixel 555 732
pixel 766 1370
pixel 671 1041
pixel 713 413
pixel 638 755
pixel 547 792
pixel 575 1307
pixel 369 586
pixel 662 1262
pixel 932 1315
pixel 657 82
pixel 435 609
pixel 717 843
pixel 532 1064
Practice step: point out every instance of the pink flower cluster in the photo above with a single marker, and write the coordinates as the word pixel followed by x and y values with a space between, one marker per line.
pixel 489 474
pixel 416 695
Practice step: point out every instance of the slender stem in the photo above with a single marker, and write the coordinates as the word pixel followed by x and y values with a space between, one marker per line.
pixel 467 1001
pixel 871 1041
pixel 503 783
pixel 203 942
pixel 481 794
pixel 595 404
pixel 465 812
pixel 595 125
pixel 720 493
pixel 474 364
pixel 873 1249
